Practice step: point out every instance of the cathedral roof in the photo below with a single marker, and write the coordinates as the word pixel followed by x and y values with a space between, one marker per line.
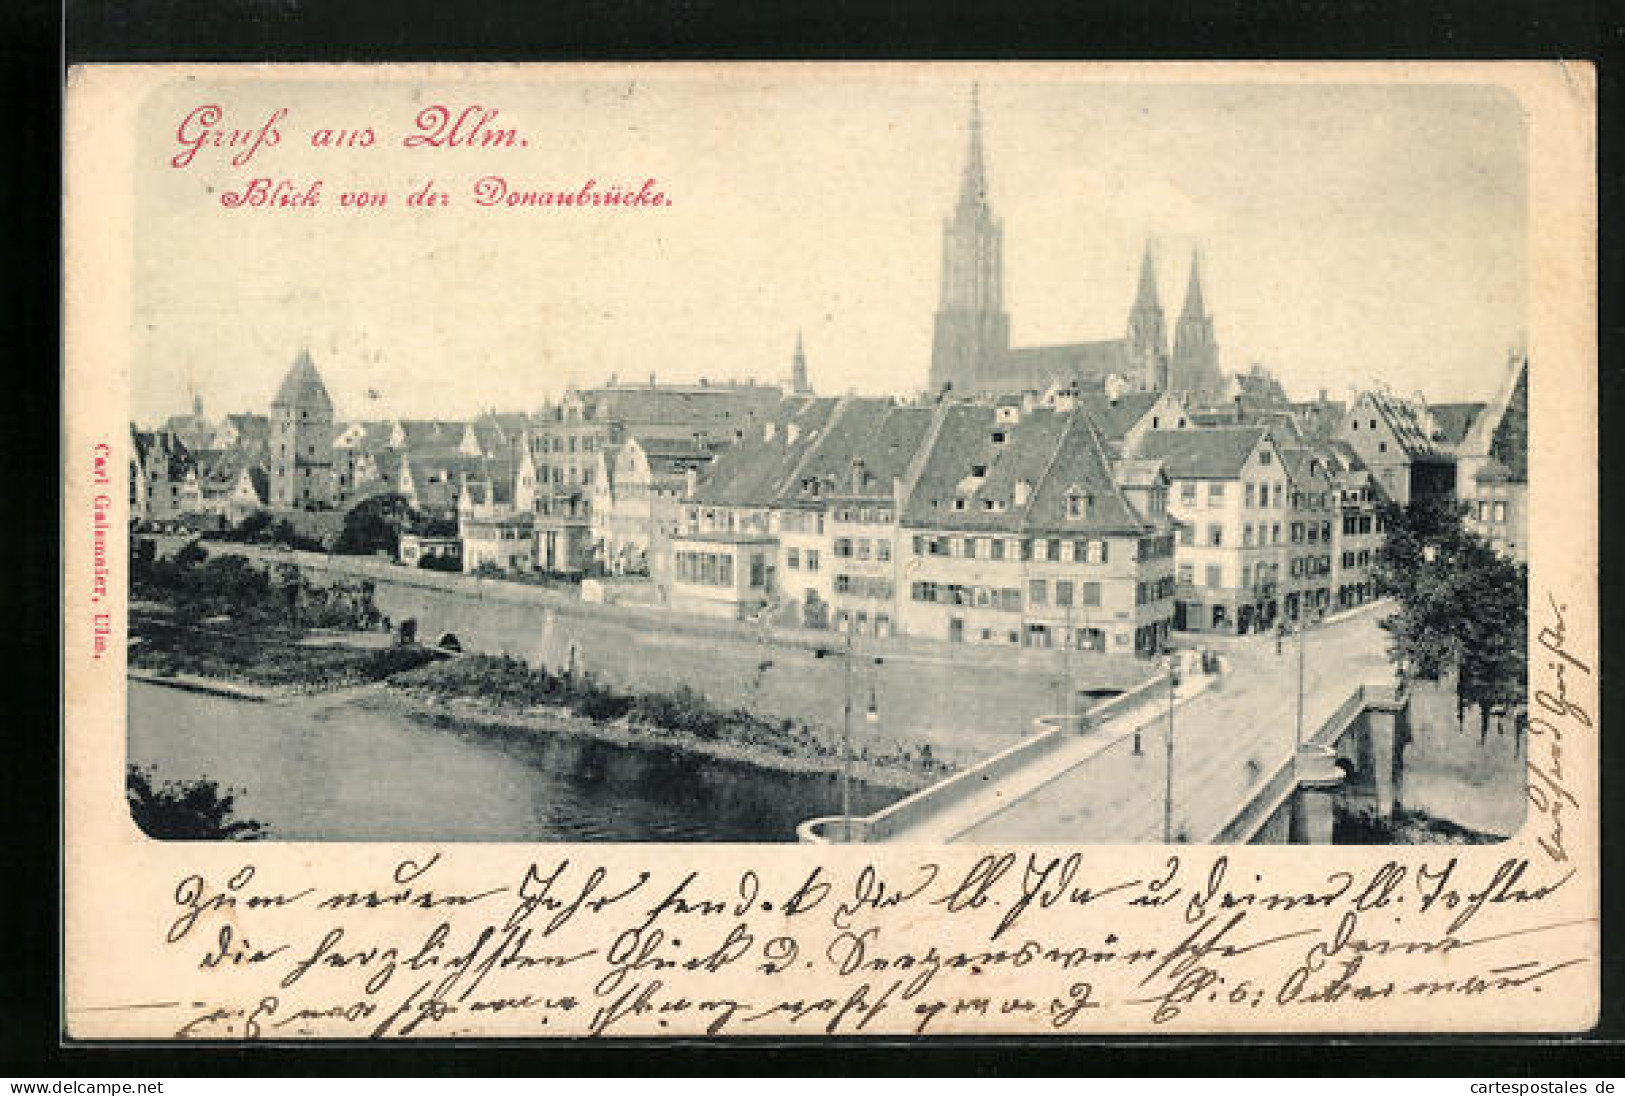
pixel 303 386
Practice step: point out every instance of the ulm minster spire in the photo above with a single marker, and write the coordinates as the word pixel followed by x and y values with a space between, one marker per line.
pixel 971 351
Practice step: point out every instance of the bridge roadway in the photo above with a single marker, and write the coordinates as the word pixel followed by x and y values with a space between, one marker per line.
pixel 1228 738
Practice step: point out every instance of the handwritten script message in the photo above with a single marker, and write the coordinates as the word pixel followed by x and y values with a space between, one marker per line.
pixel 205 135
pixel 1016 941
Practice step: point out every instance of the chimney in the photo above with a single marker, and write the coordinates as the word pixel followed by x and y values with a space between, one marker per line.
pixel 1024 490
pixel 791 433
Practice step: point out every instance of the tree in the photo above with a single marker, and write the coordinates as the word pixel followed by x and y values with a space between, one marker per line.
pixel 375 525
pixel 1461 606
pixel 192 811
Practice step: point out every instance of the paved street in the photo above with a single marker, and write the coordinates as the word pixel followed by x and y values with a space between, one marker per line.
pixel 1227 738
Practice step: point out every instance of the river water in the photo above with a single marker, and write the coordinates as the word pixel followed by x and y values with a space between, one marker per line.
pixel 329 769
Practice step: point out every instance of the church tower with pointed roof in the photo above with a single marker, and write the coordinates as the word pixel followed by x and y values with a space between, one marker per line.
pixel 799 384
pixel 1147 344
pixel 1195 366
pixel 972 330
pixel 302 440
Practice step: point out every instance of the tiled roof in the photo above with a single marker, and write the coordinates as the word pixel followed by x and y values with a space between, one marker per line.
pixel 1454 420
pixel 1411 424
pixel 149 442
pixel 1053 453
pixel 1114 418
pixel 730 403
pixel 754 472
pixel 303 387
pixel 1212 452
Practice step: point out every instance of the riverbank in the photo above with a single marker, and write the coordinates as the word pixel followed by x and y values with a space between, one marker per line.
pixel 481 716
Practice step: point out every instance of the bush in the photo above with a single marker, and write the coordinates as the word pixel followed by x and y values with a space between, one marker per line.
pixel 195 810
pixel 440 563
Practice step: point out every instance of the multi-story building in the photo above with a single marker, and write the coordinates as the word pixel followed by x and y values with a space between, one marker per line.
pixel 1017 533
pixel 1228 492
pixel 747 517
pixel 1492 462
pixel 1312 509
pixel 1357 530
pixel 302 440
pixel 635 498
pixel 1403 445
pixel 163 477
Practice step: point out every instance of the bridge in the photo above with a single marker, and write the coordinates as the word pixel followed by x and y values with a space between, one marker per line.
pixel 1235 774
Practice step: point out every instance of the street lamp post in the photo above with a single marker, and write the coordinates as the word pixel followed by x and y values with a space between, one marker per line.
pixel 1168 781
pixel 846 742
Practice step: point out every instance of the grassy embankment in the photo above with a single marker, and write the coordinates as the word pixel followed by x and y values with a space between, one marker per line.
pixel 515 695
pixel 228 619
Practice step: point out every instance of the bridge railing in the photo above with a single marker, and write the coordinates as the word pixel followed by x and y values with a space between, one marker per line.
pixel 1055 732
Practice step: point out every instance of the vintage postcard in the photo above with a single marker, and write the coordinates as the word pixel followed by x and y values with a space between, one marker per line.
pixel 846 550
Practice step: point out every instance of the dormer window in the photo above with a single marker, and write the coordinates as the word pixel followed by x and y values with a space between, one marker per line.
pixel 978 471
pixel 1079 504
pixel 999 437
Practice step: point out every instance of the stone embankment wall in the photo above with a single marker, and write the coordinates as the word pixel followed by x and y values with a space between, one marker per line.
pixel 965 702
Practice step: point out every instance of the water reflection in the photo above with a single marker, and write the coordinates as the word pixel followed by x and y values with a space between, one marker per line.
pixel 327 768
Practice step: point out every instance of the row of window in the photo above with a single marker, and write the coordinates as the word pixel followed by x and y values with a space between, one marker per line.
pixel 880 589
pixel 862 548
pixel 982 597
pixel 1254 496
pixel 862 515
pixel 1311 566
pixel 717 569
pixel 1361 524
pixel 1361 558
pixel 1492 512
pixel 1026 549
pixel 796 559
pixel 1313 532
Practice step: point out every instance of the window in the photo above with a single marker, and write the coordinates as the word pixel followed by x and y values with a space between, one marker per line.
pixel 1215 536
pixel 1079 505
pixel 864 548
pixel 1264 457
pixel 1054 554
pixel 919 545
pixel 883 550
pixel 1037 591
pixel 1246 575
pixel 843 584
pixel 758 571
pixel 1187 573
pixel 1187 493
pixel 996 549
pixel 1247 535
pixel 812 559
pixel 792 558
pixel 1091 595
pixel 1213 575
pixel 1275 533
pixel 1251 492
pixel 1063 593
pixel 970 547
pixel 1215 493
pixel 1187 535
pixel 1500 512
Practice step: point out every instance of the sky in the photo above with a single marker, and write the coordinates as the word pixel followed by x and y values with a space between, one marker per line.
pixel 1350 234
